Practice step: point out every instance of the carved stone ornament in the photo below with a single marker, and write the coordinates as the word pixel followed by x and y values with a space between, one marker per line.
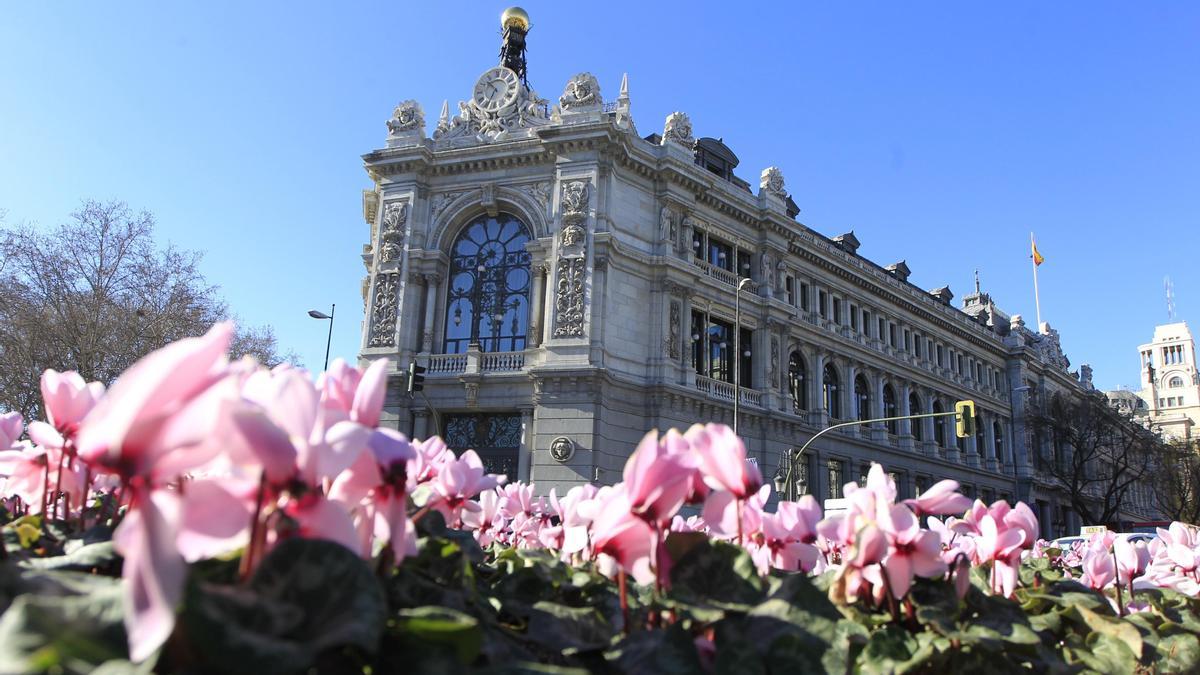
pixel 572 235
pixel 666 225
pixel 766 270
pixel 574 202
pixel 678 129
pixel 582 91
pixel 562 449
pixel 673 331
pixel 771 182
pixel 568 301
pixel 391 244
pixel 442 200
pixel 774 369
pixel 538 192
pixel 500 107
pixel 383 310
pixel 408 116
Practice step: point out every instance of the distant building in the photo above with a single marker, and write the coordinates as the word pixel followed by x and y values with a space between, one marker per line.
pixel 1170 382
pixel 571 283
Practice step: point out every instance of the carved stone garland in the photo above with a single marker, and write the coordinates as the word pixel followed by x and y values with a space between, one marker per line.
pixel 391 243
pixel 572 261
pixel 673 331
pixel 383 310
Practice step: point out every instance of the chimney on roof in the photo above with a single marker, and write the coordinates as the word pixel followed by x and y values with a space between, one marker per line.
pixel 944 294
pixel 848 242
pixel 899 270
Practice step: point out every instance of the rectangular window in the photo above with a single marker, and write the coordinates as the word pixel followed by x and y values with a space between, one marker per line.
pixel 919 484
pixel 790 284
pixel 853 317
pixel 834 468
pixel 804 297
pixel 892 334
pixel 743 260
pixel 837 311
pixel 882 328
pixel 907 340
pixel 720 254
pixel 821 303
pixel 866 323
pixel 939 355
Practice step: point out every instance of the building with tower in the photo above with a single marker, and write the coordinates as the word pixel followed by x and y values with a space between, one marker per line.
pixel 569 283
pixel 1170 383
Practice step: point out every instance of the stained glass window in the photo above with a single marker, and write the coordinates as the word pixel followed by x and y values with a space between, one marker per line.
pixel 495 437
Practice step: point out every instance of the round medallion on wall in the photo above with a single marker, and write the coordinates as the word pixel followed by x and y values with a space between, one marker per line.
pixel 562 449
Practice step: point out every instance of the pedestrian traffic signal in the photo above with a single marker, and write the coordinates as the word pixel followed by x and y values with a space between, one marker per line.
pixel 416 378
pixel 964 419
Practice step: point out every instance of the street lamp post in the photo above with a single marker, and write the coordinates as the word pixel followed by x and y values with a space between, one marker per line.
pixel 323 316
pixel 737 349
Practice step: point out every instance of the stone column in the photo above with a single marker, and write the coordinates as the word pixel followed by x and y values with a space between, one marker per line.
pixel 878 429
pixel 537 306
pixel 687 344
pixel 431 282
pixel 525 452
pixel 989 440
pixel 816 395
pixel 905 426
pixel 421 424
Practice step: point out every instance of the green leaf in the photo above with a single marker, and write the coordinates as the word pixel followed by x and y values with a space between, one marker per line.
pixel 442 626
pixel 306 596
pixel 86 558
pixel 717 574
pixel 568 629
pixel 63 633
pixel 1114 628
pixel 891 650
pixel 667 652
pixel 1179 654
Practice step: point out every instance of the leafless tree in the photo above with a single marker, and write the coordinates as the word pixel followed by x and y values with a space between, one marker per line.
pixel 1177 482
pixel 1096 455
pixel 95 294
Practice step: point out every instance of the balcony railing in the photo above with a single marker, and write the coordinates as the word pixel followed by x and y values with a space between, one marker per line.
pixel 724 276
pixel 496 362
pixel 447 363
pixel 722 390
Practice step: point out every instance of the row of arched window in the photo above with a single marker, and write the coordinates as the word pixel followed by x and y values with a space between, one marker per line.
pixel 831 403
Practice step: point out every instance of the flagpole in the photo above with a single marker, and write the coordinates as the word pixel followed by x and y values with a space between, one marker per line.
pixel 1037 302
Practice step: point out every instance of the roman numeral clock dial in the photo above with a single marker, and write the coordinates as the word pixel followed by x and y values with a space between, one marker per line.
pixel 497 89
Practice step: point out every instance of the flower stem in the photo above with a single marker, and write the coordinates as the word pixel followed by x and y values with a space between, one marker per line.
pixel 62 453
pixel 621 587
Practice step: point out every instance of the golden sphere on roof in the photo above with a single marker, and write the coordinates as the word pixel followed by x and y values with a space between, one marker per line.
pixel 515 17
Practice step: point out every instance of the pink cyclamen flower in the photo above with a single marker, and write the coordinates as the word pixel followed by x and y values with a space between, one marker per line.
pixel 67 400
pixel 11 426
pixel 616 532
pixel 658 477
pixel 941 499
pixel 1001 546
pixel 911 550
pixel 1099 570
pixel 722 459
pixel 146 430
pixel 459 481
pixel 356 393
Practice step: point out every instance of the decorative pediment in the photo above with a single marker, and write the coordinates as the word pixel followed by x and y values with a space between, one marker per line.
pixel 899 270
pixel 847 242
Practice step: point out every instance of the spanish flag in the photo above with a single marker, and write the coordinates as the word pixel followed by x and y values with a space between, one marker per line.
pixel 1037 257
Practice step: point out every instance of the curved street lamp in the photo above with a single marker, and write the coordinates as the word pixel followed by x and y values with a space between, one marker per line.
pixel 317 314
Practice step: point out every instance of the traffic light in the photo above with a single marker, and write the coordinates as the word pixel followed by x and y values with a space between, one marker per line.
pixel 416 378
pixel 964 419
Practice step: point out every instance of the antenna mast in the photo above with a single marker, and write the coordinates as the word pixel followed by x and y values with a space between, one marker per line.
pixel 1170 288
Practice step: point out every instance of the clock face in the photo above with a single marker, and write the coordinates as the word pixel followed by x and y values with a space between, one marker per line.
pixel 497 88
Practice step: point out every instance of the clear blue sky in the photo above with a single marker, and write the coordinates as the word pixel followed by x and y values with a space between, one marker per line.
pixel 941 133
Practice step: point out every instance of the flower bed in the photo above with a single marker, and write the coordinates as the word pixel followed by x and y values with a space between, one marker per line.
pixel 203 515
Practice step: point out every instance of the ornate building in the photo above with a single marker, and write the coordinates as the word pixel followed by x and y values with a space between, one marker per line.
pixel 570 283
pixel 1170 382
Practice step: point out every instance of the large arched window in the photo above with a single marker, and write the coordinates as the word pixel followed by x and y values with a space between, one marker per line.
pixel 917 425
pixel 939 425
pixel 488 300
pixel 829 387
pixel 797 386
pixel 862 398
pixel 1176 382
pixel 889 409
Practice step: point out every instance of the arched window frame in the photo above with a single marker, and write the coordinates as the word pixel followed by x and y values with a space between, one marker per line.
pixel 829 391
pixel 862 397
pixel 489 271
pixel 1175 382
pixel 797 382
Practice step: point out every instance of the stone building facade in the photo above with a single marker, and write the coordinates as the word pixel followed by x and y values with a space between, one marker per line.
pixel 570 283
pixel 1170 382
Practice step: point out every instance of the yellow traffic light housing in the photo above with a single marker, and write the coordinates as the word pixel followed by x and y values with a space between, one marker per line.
pixel 964 419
